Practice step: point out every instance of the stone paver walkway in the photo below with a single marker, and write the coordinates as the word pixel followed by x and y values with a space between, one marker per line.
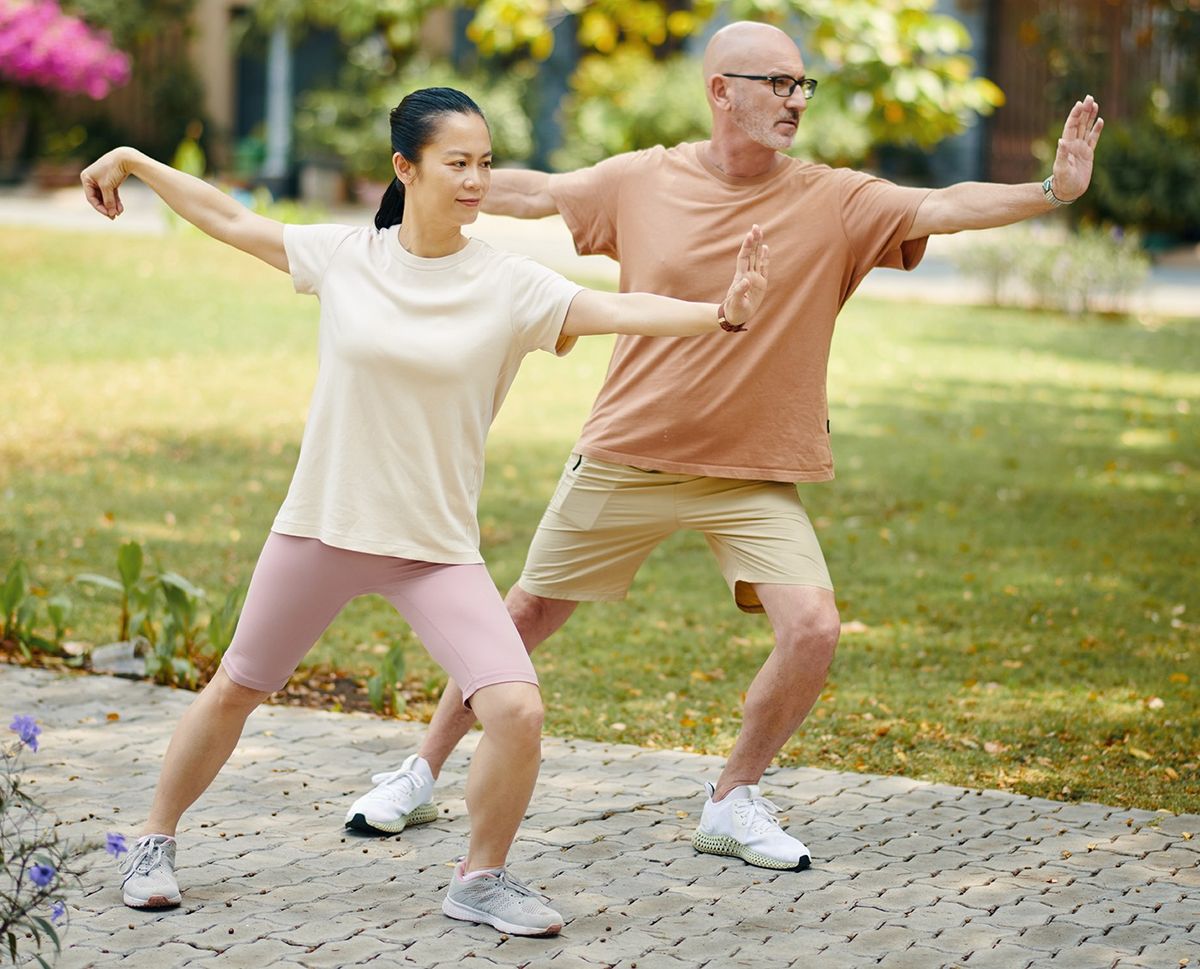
pixel 906 874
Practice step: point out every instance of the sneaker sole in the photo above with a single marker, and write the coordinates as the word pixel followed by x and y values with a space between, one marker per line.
pixel 422 815
pixel 713 845
pixel 154 901
pixel 456 910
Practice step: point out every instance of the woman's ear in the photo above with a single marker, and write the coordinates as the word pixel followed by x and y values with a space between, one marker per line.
pixel 404 169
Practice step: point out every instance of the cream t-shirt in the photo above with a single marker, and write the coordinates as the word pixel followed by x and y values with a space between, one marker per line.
pixel 748 405
pixel 415 357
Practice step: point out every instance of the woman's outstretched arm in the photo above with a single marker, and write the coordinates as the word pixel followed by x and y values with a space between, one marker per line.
pixel 205 206
pixel 645 314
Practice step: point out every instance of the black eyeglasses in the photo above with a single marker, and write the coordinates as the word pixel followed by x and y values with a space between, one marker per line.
pixel 782 84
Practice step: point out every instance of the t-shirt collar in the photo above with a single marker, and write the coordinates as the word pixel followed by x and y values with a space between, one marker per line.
pixel 403 256
pixel 700 151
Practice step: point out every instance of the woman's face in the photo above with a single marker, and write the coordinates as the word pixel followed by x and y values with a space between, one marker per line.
pixel 450 181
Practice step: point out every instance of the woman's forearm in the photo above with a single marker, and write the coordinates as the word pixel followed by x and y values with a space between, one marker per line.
pixel 642 314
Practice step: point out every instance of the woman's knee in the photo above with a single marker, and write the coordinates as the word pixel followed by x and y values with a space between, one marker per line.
pixel 233 697
pixel 510 710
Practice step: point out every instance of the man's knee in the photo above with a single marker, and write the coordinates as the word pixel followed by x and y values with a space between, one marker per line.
pixel 812 634
pixel 535 617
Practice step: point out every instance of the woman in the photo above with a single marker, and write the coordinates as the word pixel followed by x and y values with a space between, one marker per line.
pixel 422 331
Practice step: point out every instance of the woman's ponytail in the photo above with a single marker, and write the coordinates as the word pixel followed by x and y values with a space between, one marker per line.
pixel 391 206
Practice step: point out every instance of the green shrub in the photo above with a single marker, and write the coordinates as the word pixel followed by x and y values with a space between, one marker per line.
pixel 163 610
pixel 627 101
pixel 20 611
pixel 1090 269
pixel 349 123
pixel 1145 176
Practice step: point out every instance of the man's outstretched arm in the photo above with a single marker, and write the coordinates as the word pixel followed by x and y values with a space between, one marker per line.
pixel 983 205
pixel 520 193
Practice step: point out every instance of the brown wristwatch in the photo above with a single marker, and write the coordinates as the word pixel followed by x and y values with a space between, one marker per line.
pixel 725 324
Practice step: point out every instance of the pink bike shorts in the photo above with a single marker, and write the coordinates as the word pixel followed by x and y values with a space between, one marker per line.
pixel 301 584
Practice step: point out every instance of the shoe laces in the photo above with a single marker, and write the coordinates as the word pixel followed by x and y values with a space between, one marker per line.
pixel 397 784
pixel 757 814
pixel 519 887
pixel 146 856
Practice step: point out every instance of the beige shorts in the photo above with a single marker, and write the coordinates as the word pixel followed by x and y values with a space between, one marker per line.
pixel 604 519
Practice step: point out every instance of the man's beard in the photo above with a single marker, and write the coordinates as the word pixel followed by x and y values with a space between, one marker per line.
pixel 759 125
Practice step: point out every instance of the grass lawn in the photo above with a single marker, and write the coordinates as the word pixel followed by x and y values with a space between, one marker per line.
pixel 1013 531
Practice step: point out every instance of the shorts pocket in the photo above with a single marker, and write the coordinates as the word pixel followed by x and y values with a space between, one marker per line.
pixel 579 498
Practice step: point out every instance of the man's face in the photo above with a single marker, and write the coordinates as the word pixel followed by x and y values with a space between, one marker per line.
pixel 766 118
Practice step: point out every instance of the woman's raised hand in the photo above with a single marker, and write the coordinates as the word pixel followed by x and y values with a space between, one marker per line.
pixel 749 284
pixel 101 180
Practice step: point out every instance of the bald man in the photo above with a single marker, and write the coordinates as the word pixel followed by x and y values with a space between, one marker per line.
pixel 714 435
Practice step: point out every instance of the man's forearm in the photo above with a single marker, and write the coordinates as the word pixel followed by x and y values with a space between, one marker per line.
pixel 519 193
pixel 978 205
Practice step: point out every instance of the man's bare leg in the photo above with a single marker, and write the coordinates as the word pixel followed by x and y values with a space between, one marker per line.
pixel 806 625
pixel 536 619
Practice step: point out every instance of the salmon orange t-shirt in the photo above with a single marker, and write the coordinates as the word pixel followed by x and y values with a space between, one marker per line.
pixel 748 405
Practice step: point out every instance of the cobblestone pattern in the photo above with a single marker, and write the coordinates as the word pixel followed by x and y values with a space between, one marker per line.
pixel 906 874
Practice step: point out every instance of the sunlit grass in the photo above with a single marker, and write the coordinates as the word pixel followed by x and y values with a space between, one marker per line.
pixel 1013 530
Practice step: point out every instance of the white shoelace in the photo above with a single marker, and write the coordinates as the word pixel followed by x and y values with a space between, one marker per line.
pixel 398 784
pixel 519 887
pixel 757 814
pixel 145 856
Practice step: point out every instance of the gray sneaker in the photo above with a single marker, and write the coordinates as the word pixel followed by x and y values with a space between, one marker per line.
pixel 400 799
pixel 149 872
pixel 499 900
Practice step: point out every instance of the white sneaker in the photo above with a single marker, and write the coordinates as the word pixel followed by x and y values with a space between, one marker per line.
pixel 149 874
pixel 743 825
pixel 401 797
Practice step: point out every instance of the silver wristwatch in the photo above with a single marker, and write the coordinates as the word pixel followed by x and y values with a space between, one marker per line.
pixel 1048 191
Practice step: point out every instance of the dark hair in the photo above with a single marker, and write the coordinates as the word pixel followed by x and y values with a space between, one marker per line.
pixel 414 122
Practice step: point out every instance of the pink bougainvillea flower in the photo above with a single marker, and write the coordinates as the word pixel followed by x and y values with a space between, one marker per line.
pixel 40 46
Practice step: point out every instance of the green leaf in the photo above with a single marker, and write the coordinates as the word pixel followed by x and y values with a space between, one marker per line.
pixel 375 692
pixel 129 564
pixel 177 581
pixel 15 588
pixel 49 929
pixel 90 578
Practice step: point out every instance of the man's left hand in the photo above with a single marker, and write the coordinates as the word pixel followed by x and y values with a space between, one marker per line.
pixel 1076 149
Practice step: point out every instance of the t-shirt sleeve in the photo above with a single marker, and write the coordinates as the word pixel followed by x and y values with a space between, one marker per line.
pixel 587 200
pixel 540 299
pixel 876 216
pixel 310 249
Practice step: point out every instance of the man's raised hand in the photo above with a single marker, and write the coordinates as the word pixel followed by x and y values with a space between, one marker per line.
pixel 1076 149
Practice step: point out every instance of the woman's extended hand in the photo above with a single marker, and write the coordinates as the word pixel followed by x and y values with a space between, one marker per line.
pixel 102 179
pixel 749 284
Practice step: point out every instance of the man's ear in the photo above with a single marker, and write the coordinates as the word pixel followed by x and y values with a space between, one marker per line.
pixel 404 169
pixel 718 92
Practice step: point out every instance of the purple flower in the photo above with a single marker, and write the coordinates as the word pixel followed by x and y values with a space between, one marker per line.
pixel 41 875
pixel 116 844
pixel 58 913
pixel 27 729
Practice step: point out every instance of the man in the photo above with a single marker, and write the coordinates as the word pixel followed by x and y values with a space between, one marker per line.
pixel 703 435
